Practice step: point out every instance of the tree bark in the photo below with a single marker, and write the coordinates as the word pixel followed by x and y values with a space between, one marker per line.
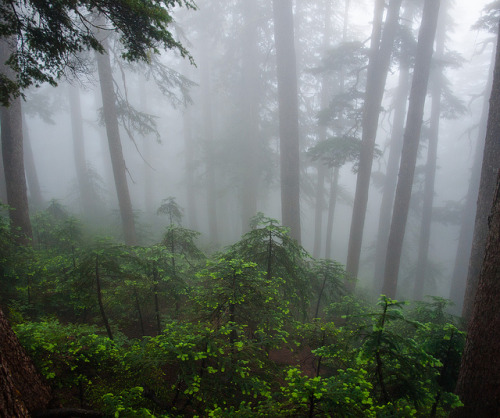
pixel 478 383
pixel 13 158
pixel 288 116
pixel 411 141
pixel 380 56
pixel 431 164
pixel 490 167
pixel 465 237
pixel 22 390
pixel 115 146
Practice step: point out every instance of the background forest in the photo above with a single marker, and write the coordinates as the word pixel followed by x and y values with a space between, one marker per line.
pixel 210 209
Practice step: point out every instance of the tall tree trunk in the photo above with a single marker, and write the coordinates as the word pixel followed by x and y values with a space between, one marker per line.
pixel 430 167
pixel 478 381
pixel 250 85
pixel 115 146
pixel 490 166
pixel 31 172
pixel 478 386
pixel 209 142
pixel 13 158
pixel 391 174
pixel 334 182
pixel 464 247
pixel 22 390
pixel 84 187
pixel 288 116
pixel 380 57
pixel 411 141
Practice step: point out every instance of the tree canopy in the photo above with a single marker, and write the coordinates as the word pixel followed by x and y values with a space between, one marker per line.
pixel 48 37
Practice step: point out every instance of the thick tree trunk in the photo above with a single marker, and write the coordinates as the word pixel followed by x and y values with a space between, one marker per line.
pixel 13 159
pixel 84 187
pixel 31 172
pixel 464 247
pixel 288 116
pixel 115 146
pixel 250 108
pixel 319 208
pixel 410 144
pixel 378 67
pixel 391 174
pixel 431 164
pixel 478 383
pixel 22 390
pixel 490 167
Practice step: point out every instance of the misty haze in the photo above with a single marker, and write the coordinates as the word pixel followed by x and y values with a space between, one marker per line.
pixel 249 208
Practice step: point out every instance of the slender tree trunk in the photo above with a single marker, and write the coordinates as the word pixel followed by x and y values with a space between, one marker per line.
pixel 250 85
pixel 391 174
pixel 464 247
pixel 86 195
pixel 115 146
pixel 430 167
pixel 22 390
pixel 209 142
pixel 375 85
pixel 31 172
pixel 13 158
pixel 334 182
pixel 149 204
pixel 410 144
pixel 99 298
pixel 490 166
pixel 190 166
pixel 3 186
pixel 322 170
pixel 288 116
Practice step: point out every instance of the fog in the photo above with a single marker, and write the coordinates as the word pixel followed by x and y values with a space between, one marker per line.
pixel 205 111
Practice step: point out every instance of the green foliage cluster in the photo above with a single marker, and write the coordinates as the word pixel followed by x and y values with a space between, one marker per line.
pixel 49 37
pixel 259 329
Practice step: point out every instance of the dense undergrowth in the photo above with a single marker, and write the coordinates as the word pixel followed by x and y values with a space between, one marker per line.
pixel 259 329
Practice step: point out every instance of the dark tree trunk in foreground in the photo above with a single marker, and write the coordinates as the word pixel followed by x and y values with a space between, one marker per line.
pixel 380 56
pixel 431 164
pixel 411 141
pixel 22 390
pixel 391 174
pixel 478 383
pixel 465 237
pixel 288 116
pixel 115 145
pixel 13 159
pixel 490 167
